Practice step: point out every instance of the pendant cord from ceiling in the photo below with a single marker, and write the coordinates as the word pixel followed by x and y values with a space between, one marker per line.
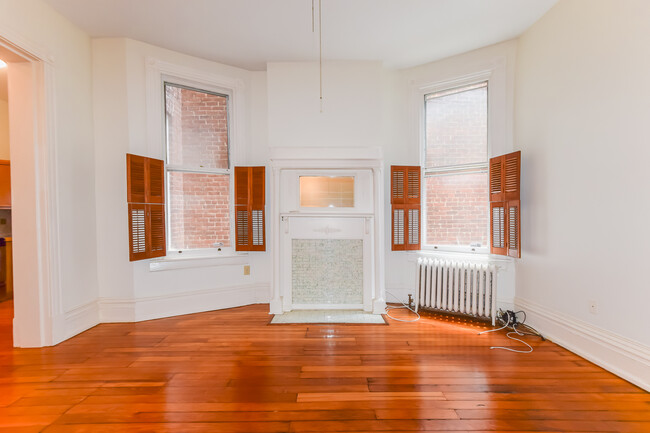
pixel 320 44
pixel 320 53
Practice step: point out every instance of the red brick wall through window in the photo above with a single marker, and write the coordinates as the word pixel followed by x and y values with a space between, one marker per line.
pixel 197 137
pixel 457 206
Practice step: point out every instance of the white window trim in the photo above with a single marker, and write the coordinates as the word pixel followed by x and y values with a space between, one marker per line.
pixel 498 140
pixel 159 72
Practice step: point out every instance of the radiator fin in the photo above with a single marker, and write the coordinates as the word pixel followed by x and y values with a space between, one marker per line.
pixel 457 287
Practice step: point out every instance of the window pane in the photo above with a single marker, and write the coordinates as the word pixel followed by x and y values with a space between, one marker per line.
pixel 457 209
pixel 327 191
pixel 456 126
pixel 199 210
pixel 197 128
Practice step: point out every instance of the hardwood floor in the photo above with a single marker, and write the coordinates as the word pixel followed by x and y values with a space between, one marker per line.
pixel 229 371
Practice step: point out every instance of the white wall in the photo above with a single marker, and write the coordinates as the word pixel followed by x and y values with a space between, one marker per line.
pixel 132 291
pixel 111 122
pixel 582 110
pixel 33 23
pixel 351 109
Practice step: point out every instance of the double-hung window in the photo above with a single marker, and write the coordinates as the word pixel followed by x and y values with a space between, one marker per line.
pixel 456 198
pixel 198 168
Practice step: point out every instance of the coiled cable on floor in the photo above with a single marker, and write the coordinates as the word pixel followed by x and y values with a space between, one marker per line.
pixel 391 307
pixel 515 331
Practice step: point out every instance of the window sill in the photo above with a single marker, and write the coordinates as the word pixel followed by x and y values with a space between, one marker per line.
pixel 197 261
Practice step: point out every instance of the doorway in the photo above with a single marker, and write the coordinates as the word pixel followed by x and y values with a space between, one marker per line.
pixel 6 281
pixel 30 102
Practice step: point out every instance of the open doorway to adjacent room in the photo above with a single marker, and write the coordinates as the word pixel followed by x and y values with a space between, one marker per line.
pixel 6 241
pixel 28 236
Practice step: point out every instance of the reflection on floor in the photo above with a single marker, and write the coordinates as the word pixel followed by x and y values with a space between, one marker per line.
pixel 229 371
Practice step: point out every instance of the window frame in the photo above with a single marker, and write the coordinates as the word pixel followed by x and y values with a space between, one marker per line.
pixel 212 90
pixel 482 167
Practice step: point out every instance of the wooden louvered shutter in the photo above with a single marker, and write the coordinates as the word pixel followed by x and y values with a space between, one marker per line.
pixel 505 211
pixel 496 179
pixel 146 197
pixel 135 178
pixel 155 181
pixel 137 231
pixel 249 208
pixel 405 201
pixel 498 227
pixel 513 231
pixel 156 225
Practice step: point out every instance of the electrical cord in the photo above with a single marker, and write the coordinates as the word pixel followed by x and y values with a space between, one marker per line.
pixel 512 316
pixel 498 329
pixel 390 307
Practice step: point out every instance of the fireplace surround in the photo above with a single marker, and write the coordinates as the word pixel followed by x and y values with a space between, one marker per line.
pixel 327 229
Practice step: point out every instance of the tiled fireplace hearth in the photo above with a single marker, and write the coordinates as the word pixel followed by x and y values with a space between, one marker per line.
pixel 326 224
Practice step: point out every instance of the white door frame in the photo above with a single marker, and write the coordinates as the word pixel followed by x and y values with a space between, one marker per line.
pixel 38 313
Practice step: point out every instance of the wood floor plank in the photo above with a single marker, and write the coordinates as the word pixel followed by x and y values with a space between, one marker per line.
pixel 229 371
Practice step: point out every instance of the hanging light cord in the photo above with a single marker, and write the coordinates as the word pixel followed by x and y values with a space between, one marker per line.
pixel 320 53
pixel 320 45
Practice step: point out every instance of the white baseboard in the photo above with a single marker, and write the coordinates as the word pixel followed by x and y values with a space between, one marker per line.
pixel 113 310
pixel 395 294
pixel 78 320
pixel 156 307
pixel 624 357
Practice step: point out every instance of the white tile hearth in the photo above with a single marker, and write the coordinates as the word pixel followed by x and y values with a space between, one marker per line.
pixel 328 316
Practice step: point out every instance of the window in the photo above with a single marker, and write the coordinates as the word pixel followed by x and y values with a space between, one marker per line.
pixel 327 191
pixel 456 198
pixel 198 168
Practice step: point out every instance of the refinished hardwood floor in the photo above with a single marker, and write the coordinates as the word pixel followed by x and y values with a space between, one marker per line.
pixel 229 371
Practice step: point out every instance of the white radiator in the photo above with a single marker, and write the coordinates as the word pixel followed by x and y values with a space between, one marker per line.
pixel 457 287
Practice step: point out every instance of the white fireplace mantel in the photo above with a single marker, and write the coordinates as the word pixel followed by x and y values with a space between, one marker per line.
pixel 292 226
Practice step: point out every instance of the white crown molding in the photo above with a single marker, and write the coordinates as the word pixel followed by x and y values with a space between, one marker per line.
pixel 626 358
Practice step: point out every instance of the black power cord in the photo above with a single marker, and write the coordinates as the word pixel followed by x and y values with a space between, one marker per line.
pixel 510 320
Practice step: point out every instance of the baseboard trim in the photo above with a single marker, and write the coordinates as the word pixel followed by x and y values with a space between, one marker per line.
pixel 620 355
pixel 156 307
pixel 79 319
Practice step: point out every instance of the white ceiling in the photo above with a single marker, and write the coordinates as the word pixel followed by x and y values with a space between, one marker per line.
pixel 249 33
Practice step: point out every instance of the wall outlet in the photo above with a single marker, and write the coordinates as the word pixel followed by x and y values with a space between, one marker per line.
pixel 593 307
pixel 247 269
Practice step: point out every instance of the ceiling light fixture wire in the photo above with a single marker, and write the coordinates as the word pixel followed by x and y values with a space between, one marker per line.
pixel 320 44
pixel 320 53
